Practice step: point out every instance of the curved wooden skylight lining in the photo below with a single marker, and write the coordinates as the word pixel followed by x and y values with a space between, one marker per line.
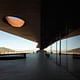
pixel 14 21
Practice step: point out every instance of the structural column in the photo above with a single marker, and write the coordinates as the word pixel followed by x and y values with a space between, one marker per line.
pixel 60 48
pixel 56 51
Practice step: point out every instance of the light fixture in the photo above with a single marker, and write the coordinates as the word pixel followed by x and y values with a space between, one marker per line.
pixel 14 21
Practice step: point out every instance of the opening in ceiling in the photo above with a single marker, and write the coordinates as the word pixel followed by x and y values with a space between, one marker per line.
pixel 15 21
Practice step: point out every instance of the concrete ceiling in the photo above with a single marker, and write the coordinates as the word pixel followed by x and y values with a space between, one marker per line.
pixel 29 11
pixel 44 20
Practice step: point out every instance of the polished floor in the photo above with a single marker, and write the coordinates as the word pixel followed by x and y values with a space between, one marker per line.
pixel 33 67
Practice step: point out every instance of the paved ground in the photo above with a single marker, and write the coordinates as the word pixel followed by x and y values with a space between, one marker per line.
pixel 33 67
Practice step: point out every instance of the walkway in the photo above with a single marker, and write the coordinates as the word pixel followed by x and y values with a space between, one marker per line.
pixel 33 67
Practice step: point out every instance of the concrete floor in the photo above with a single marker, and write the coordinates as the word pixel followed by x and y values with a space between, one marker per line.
pixel 33 67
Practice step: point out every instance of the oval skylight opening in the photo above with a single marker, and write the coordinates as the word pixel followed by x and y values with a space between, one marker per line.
pixel 15 21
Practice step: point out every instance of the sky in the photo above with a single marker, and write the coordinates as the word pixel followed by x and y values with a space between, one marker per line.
pixel 18 43
pixel 15 42
pixel 15 18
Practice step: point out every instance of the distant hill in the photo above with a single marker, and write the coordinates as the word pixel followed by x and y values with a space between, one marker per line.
pixel 6 49
pixel 76 49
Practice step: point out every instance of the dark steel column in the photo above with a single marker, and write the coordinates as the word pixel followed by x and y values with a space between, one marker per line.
pixel 66 49
pixel 60 48
pixel 56 52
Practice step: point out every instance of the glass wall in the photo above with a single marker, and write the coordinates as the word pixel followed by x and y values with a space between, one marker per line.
pixel 68 46
pixel 69 58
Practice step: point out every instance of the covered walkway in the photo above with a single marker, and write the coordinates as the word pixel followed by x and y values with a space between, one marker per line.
pixel 33 67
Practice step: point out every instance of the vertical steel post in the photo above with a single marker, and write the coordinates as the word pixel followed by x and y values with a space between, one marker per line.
pixel 56 52
pixel 60 48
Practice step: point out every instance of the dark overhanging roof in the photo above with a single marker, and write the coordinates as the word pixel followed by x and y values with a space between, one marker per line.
pixel 45 20
pixel 58 18
pixel 29 11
